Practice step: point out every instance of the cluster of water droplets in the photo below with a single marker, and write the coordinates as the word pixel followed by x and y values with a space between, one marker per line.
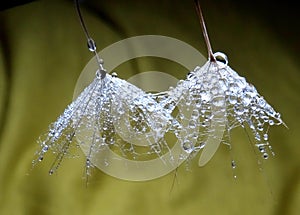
pixel 246 107
pixel 212 101
pixel 109 114
pixel 112 114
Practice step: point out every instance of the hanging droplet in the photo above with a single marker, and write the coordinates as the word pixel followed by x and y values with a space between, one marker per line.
pixel 247 99
pixel 202 144
pixel 239 109
pixel 114 75
pixel 261 102
pixel 232 98
pixel 271 122
pixel 222 59
pixel 233 164
pixel 260 127
pixel 262 148
pixel 195 114
pixel 45 149
pixel 265 156
pixel 205 96
pixel 91 45
pixel 233 88
pixel 218 101
pixel 188 146
pixel 192 124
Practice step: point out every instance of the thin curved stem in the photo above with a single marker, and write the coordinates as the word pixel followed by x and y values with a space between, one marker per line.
pixel 91 43
pixel 211 56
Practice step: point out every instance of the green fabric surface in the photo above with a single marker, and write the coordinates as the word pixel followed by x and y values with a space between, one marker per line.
pixel 42 53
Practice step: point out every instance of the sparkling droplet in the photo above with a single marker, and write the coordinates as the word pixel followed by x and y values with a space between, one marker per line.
pixel 260 127
pixel 214 90
pixel 202 145
pixel 239 109
pixel 192 124
pixel 247 99
pixel 232 99
pixel 266 137
pixel 45 148
pixel 218 101
pixel 188 146
pixel 195 113
pixel 257 136
pixel 233 164
pixel 91 45
pixel 277 115
pixel 190 75
pixel 265 156
pixel 261 102
pixel 262 148
pixel 205 96
pixel 222 59
pixel 114 75
pixel 234 88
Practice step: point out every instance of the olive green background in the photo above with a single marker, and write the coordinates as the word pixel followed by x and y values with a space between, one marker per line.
pixel 43 51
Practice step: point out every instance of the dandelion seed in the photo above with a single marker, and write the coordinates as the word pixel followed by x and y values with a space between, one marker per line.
pixel 108 111
pixel 226 101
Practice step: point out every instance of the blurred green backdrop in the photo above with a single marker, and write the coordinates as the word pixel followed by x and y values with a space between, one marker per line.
pixel 43 51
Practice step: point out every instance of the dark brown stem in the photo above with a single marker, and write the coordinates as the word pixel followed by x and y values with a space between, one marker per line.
pixel 211 56
pixel 90 41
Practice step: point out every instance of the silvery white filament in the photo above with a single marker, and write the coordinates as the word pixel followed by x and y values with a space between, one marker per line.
pixel 108 112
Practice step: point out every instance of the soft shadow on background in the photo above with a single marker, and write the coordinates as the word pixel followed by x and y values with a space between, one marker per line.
pixel 42 53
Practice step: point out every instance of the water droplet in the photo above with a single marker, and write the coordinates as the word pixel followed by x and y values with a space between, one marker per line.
pixel 232 99
pixel 114 75
pixel 45 148
pixel 277 115
pixel 205 96
pixel 260 127
pixel 205 123
pixel 151 107
pixel 261 102
pixel 257 136
pixel 218 101
pixel 192 124
pixel 233 87
pixel 51 171
pixel 190 75
pixel 247 99
pixel 265 155
pixel 233 164
pixel 91 45
pixel 266 137
pixel 214 90
pixel 239 109
pixel 202 144
pixel 195 114
pixel 262 148
pixel 222 59
pixel 188 146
